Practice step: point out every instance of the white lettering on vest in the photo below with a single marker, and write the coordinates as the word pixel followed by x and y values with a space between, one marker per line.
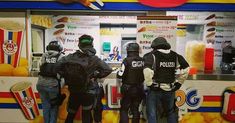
pixel 51 60
pixel 137 63
pixel 167 64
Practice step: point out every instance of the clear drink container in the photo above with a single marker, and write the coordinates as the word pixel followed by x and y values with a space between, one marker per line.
pixel 195 54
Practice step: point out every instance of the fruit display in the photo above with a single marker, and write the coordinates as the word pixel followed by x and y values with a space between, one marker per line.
pixel 20 70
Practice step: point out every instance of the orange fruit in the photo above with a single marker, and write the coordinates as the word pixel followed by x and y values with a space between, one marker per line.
pixel 23 62
pixel 6 69
pixel 20 71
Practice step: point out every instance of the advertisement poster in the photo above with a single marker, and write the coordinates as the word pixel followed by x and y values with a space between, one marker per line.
pixel 151 27
pixel 67 29
pixel 196 103
pixel 13 50
pixel 196 30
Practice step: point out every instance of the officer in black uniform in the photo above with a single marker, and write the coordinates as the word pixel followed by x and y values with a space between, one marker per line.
pixel 98 106
pixel 132 84
pixel 96 68
pixel 160 76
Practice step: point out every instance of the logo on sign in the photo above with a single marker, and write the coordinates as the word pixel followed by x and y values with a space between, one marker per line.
pixel 28 102
pixel 9 47
pixel 189 99
pixel 162 3
pixel 114 95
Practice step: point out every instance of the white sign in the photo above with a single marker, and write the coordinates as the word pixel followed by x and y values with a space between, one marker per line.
pixel 68 29
pixel 151 27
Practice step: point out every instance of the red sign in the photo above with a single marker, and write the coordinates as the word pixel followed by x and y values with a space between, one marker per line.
pixel 163 3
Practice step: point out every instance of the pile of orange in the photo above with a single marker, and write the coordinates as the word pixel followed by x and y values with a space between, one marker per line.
pixel 9 70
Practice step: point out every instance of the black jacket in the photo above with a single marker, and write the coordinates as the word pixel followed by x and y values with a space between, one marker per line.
pixel 95 64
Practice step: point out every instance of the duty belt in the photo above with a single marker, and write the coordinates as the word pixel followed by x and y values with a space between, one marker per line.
pixel 162 84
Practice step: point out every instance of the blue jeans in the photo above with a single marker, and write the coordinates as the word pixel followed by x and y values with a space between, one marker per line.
pixel 157 100
pixel 47 93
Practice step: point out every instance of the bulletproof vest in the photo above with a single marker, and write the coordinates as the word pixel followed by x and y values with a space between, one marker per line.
pixel 51 60
pixel 48 68
pixel 133 73
pixel 165 65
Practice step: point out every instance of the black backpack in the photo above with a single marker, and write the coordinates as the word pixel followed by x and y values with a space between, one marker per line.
pixel 76 75
pixel 48 69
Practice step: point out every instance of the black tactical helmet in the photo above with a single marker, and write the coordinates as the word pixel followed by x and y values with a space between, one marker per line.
pixel 132 47
pixel 85 41
pixel 160 43
pixel 54 45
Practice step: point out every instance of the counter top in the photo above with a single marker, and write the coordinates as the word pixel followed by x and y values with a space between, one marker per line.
pixel 212 76
pixel 199 76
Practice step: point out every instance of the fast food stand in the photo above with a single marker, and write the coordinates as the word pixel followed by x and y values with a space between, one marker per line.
pixel 200 99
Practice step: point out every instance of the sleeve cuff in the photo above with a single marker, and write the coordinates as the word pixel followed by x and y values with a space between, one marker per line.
pixel 148 76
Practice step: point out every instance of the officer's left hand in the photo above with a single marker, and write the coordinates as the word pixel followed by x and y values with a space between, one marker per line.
pixel 176 86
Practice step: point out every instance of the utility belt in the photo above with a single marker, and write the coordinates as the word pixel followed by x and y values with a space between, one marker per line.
pixel 132 84
pixel 134 87
pixel 160 86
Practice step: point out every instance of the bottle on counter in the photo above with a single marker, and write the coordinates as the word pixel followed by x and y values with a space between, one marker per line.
pixel 209 58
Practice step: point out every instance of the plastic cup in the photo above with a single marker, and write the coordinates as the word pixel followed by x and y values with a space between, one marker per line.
pixel 25 97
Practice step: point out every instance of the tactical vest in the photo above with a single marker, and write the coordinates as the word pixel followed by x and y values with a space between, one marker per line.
pixel 133 73
pixel 48 68
pixel 165 66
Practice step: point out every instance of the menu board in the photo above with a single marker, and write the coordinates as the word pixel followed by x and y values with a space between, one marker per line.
pixel 198 29
pixel 225 28
pixel 151 27
pixel 68 29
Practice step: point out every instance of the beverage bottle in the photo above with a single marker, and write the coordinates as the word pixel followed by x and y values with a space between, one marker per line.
pixel 209 58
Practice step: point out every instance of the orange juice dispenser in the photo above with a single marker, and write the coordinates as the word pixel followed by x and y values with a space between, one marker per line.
pixel 195 47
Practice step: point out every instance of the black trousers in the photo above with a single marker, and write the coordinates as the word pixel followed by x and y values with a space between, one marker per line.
pixel 86 100
pixel 98 107
pixel 132 96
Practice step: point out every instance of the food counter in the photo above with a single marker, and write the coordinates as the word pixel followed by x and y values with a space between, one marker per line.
pixel 200 97
pixel 212 76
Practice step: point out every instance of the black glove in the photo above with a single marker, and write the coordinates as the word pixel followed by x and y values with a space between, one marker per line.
pixel 118 76
pixel 176 86
pixel 95 74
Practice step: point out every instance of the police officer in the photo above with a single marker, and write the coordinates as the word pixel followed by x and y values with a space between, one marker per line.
pixel 132 77
pixel 47 84
pixel 160 76
pixel 95 68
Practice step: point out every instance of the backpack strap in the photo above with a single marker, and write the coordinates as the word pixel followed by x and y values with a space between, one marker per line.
pixel 154 62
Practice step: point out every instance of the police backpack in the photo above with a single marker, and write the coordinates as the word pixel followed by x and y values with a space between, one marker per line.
pixel 75 74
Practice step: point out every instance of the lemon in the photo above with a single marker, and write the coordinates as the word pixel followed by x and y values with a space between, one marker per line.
pixel 20 71
pixel 109 117
pixel 6 69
